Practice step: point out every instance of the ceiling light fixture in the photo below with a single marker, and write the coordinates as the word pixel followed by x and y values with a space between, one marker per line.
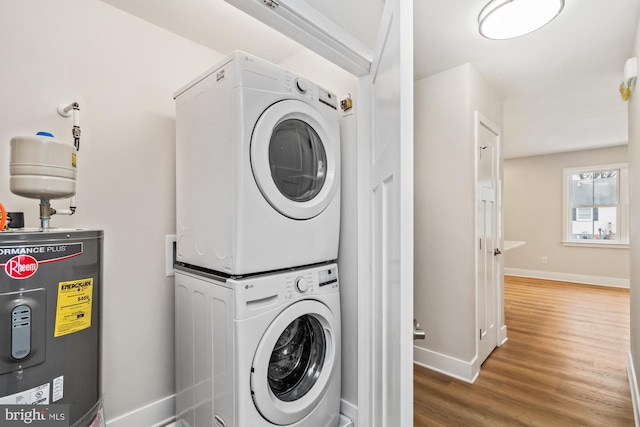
pixel 507 19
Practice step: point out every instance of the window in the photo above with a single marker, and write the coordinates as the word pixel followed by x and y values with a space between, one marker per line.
pixel 596 207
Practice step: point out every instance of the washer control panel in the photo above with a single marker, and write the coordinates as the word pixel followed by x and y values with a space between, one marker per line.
pixel 328 276
pixel 316 281
pixel 264 292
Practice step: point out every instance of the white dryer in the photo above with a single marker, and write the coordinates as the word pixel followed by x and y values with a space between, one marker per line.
pixel 257 169
pixel 260 351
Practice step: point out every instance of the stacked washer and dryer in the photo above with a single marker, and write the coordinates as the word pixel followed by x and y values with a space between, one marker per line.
pixel 258 217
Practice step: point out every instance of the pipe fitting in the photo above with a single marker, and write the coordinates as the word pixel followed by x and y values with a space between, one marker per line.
pixel 45 213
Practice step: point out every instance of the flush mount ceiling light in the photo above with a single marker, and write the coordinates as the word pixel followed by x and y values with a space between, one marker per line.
pixel 506 19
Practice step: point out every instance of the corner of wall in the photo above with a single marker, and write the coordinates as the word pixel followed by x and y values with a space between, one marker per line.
pixel 445 225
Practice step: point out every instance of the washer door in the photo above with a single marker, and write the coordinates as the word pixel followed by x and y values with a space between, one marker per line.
pixel 294 362
pixel 295 159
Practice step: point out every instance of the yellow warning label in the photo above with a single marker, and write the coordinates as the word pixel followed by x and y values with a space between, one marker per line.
pixel 73 312
pixel 74 160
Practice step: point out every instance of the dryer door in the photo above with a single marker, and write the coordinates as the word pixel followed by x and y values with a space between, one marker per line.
pixel 295 158
pixel 294 362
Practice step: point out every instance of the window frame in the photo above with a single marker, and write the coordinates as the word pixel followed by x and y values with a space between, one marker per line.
pixel 622 214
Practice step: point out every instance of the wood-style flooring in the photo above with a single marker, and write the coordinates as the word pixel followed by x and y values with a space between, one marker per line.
pixel 564 364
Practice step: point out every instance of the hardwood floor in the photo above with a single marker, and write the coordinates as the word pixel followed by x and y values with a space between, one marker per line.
pixel 564 364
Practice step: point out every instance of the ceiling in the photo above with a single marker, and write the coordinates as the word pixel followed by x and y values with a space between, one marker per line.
pixel 559 84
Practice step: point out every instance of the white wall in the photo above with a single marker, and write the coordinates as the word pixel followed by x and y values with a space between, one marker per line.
pixel 533 213
pixel 123 72
pixel 444 294
pixel 634 196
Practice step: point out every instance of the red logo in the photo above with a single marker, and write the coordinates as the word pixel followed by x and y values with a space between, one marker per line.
pixel 21 266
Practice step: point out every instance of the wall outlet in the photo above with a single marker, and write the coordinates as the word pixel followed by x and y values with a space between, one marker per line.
pixel 544 260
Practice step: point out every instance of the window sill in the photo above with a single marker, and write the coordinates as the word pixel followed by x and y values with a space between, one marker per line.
pixel 598 244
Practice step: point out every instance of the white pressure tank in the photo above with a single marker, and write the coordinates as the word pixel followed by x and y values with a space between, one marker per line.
pixel 42 167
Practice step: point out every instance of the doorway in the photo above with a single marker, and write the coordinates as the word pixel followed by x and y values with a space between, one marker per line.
pixel 488 297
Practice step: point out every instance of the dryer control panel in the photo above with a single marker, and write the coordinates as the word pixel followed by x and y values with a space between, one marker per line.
pixel 311 91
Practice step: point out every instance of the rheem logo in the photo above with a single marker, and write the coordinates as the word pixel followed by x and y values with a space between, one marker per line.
pixel 21 266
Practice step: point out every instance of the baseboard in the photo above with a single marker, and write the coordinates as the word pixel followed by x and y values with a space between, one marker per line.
pixel 633 385
pixel 163 411
pixel 456 368
pixel 503 335
pixel 348 411
pixel 155 414
pixel 613 282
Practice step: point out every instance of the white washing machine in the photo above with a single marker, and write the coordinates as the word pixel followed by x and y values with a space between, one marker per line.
pixel 260 351
pixel 257 169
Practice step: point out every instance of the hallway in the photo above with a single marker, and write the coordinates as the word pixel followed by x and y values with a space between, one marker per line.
pixel 564 364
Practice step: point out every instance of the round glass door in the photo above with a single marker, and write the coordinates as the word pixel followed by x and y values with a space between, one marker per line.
pixel 297 359
pixel 295 157
pixel 294 362
pixel 298 160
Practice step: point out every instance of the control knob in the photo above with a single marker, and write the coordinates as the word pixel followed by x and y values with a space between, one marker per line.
pixel 301 285
pixel 302 85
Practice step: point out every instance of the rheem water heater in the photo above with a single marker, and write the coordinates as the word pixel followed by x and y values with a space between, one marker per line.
pixel 50 293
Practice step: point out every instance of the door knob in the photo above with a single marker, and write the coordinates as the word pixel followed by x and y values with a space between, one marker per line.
pixel 418 332
pixel 496 252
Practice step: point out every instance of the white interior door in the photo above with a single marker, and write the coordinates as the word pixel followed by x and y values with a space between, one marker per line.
pixel 487 145
pixel 385 393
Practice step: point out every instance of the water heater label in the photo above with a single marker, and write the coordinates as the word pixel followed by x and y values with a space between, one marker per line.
pixel 35 396
pixel 73 312
pixel 21 262
pixel 58 388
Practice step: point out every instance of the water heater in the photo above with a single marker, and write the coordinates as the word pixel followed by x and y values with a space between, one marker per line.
pixel 50 293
